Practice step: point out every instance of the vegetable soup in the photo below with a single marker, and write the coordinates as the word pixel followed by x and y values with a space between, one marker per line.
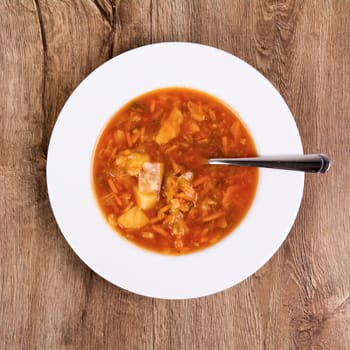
pixel 151 179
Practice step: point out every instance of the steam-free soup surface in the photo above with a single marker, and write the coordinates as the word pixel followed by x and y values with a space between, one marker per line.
pixel 150 178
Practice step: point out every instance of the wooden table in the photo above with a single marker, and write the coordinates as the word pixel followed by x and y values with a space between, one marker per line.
pixel 50 300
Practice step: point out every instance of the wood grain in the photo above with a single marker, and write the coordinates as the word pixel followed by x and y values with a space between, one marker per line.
pixel 50 300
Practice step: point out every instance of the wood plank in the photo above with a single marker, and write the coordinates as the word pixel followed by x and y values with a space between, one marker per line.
pixel 57 302
pixel 276 39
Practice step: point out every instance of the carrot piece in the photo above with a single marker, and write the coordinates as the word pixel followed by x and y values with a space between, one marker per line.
pixel 114 153
pixel 118 186
pixel 148 235
pixel 152 106
pixel 142 134
pixel 203 141
pixel 199 233
pixel 200 180
pixel 160 230
pixel 155 219
pixel 171 148
pixel 135 137
pixel 205 231
pixel 129 206
pixel 106 198
pixel 188 138
pixel 212 115
pixel 236 202
pixel 186 228
pixel 117 199
pixel 224 144
pixel 175 166
pixel 101 153
pixel 128 138
pixel 112 186
pixel 236 131
pixel 204 239
pixel 184 144
pixel 157 114
pixel 165 208
pixel 228 195
pixel 214 216
pixel 115 207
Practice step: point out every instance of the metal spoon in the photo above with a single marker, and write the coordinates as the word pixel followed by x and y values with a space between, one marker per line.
pixel 313 163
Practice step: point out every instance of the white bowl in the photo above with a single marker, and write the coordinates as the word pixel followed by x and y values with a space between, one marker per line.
pixel 81 121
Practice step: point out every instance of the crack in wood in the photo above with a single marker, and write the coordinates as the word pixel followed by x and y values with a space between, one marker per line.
pixel 311 324
pixel 109 16
pixel 44 140
pixel 113 26
pixel 103 12
pixel 153 325
pixel 343 307
pixel 151 21
pixel 88 284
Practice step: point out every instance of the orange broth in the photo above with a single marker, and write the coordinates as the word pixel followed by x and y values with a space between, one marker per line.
pixel 149 173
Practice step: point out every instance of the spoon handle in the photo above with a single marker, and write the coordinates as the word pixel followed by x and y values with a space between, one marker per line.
pixel 313 163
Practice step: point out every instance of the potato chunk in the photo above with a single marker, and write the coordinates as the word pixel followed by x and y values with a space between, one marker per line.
pixel 196 111
pixel 170 127
pixel 134 218
pixel 145 200
pixel 131 161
